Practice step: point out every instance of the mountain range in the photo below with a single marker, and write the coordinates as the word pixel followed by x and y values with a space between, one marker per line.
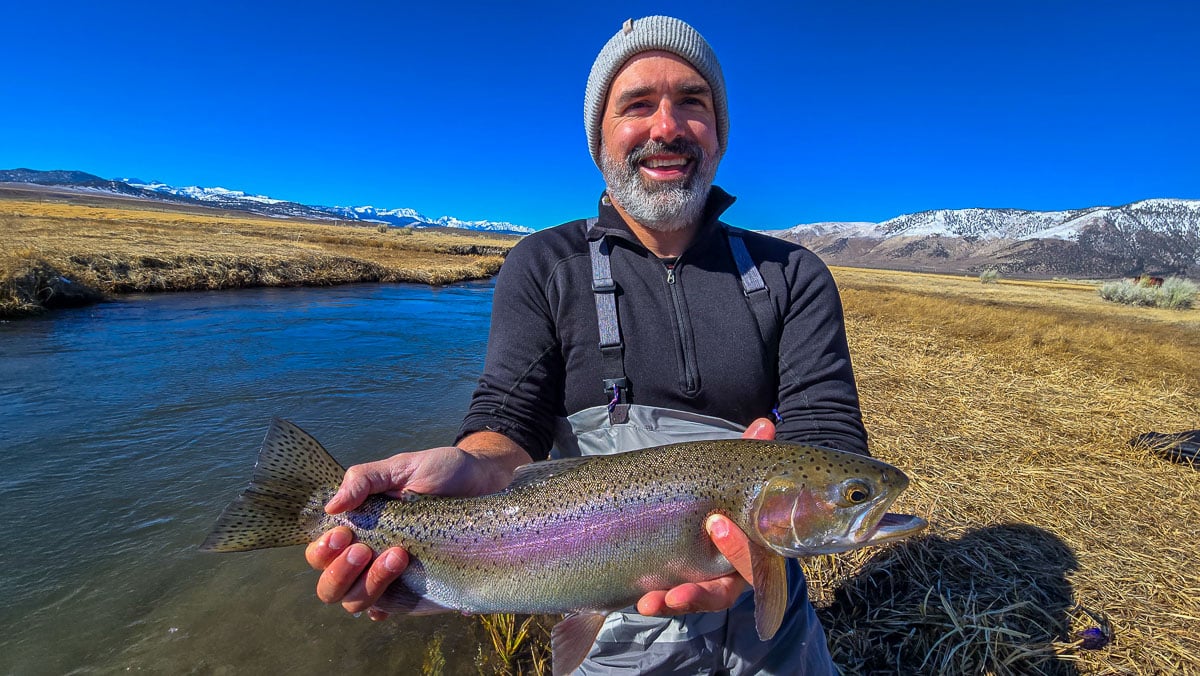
pixel 1155 236
pixel 224 198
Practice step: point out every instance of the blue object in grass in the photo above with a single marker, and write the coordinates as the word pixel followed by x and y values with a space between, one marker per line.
pixel 1093 638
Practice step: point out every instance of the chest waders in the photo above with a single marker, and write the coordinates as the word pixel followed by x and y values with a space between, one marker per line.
pixel 702 643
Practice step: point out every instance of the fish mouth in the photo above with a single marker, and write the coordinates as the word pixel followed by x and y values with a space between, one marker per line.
pixel 894 527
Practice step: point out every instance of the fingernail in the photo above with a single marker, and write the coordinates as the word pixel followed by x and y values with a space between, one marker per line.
pixel 392 562
pixel 717 527
pixel 338 540
pixel 357 556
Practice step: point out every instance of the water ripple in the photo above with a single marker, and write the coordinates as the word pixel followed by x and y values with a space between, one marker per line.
pixel 129 425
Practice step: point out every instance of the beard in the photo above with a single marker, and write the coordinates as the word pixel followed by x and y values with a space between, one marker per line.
pixel 665 207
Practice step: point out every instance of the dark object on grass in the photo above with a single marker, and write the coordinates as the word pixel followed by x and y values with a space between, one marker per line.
pixel 1093 638
pixel 1178 447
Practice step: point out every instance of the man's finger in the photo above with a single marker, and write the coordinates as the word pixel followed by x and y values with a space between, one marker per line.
pixel 703 597
pixel 367 590
pixel 340 576
pixel 322 551
pixel 387 569
pixel 698 597
pixel 732 542
pixel 761 428
pixel 363 480
pixel 653 603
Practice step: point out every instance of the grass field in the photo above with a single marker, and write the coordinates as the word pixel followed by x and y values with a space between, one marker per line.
pixel 55 253
pixel 1011 406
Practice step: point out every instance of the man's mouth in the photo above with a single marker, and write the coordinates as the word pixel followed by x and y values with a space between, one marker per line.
pixel 666 168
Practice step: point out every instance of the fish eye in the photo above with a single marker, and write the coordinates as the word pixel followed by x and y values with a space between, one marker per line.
pixel 856 492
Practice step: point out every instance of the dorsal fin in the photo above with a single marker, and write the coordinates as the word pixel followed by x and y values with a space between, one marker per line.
pixel 537 472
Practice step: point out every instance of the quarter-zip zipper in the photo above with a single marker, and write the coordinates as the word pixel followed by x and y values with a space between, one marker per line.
pixel 691 375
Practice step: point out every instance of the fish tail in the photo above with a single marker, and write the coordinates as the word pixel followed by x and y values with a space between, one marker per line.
pixel 284 502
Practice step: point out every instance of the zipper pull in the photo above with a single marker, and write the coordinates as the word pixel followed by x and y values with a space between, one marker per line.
pixel 671 275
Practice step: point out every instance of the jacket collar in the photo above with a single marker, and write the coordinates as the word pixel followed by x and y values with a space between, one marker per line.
pixel 611 223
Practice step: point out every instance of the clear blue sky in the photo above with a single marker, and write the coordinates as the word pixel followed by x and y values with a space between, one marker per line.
pixel 839 110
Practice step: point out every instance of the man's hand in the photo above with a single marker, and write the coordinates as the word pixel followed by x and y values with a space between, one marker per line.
pixel 351 573
pixel 723 592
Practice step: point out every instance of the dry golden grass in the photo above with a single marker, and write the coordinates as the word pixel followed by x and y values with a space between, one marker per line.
pixel 103 249
pixel 1011 407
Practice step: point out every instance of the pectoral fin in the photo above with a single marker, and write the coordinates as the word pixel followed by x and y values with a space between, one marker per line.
pixel 571 639
pixel 770 589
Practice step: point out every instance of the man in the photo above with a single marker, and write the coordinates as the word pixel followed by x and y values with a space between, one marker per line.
pixel 651 323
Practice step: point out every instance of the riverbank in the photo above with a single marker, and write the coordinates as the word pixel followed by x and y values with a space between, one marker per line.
pixel 61 250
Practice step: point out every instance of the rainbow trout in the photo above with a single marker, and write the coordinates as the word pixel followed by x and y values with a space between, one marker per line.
pixel 583 536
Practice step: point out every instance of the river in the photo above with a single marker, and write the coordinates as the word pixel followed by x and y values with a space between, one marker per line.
pixel 125 428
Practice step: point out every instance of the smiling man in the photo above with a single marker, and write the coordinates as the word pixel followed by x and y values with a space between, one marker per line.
pixel 651 323
pixel 659 149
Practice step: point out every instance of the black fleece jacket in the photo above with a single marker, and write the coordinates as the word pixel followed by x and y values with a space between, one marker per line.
pixel 691 339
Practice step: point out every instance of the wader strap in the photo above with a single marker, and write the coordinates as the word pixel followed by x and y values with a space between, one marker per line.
pixel 611 349
pixel 756 291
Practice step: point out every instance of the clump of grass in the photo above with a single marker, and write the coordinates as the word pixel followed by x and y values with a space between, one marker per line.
pixel 434 663
pixel 381 228
pixel 1175 293
pixel 989 276
pixel 994 599
pixel 516 649
pixel 30 285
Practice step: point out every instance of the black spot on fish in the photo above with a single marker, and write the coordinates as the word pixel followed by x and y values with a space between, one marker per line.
pixel 363 520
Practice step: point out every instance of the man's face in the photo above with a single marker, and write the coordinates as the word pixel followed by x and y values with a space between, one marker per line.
pixel 659 149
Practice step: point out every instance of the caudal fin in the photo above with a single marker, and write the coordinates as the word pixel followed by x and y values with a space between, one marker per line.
pixel 293 478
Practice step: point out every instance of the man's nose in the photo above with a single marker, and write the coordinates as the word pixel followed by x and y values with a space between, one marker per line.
pixel 668 126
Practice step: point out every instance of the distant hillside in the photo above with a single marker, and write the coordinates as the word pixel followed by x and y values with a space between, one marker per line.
pixel 238 200
pixel 1156 236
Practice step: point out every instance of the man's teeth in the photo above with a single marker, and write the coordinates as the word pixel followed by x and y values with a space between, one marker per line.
pixel 657 163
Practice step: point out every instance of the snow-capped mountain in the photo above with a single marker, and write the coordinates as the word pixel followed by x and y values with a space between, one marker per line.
pixel 200 194
pixel 398 217
pixel 1150 236
pixel 1015 224
pixel 403 217
pixel 226 198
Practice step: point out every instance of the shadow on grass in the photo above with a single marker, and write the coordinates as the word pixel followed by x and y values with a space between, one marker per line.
pixel 995 600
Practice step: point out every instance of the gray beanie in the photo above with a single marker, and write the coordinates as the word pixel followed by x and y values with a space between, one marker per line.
pixel 644 35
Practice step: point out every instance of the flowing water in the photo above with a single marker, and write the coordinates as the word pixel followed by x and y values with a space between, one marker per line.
pixel 126 427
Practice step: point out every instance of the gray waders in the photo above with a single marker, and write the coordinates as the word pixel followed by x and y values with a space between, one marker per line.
pixel 723 642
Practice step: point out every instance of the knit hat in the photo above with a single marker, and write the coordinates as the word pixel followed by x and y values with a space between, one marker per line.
pixel 644 35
